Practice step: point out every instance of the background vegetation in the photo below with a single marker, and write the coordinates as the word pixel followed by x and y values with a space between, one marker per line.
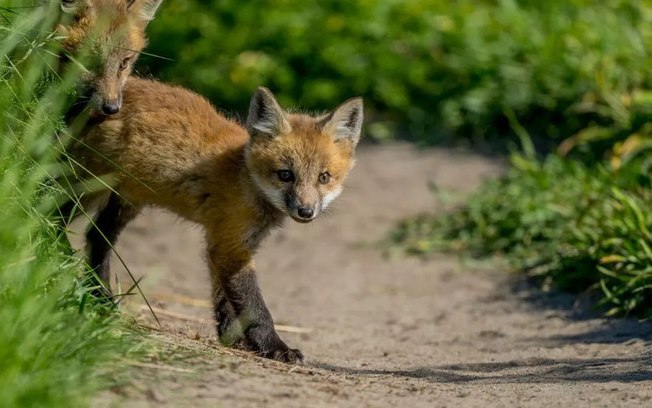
pixel 439 70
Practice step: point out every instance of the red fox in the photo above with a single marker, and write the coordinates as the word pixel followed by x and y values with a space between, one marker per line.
pixel 169 148
pixel 110 34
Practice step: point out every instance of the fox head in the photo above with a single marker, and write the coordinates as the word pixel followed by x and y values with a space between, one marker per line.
pixel 108 35
pixel 297 161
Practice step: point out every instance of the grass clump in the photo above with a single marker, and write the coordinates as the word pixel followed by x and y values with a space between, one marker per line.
pixel 57 344
pixel 577 227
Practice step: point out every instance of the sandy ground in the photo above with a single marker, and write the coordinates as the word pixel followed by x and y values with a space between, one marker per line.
pixel 383 332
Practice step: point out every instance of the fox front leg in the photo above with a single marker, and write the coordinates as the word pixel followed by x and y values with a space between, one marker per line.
pixel 246 314
pixel 102 236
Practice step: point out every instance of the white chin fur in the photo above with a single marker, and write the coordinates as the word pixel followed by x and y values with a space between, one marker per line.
pixel 328 198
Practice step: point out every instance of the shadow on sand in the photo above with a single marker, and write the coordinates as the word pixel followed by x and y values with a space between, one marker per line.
pixel 578 308
pixel 524 292
pixel 530 371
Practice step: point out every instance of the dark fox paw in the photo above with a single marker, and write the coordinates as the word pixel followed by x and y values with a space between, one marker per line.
pixel 285 355
pixel 261 339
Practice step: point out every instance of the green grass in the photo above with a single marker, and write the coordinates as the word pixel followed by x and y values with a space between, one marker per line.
pixel 576 227
pixel 58 345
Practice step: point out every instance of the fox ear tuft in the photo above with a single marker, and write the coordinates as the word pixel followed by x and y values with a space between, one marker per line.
pixel 266 117
pixel 146 8
pixel 345 122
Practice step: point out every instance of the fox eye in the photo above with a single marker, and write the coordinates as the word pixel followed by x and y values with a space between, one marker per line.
pixel 125 63
pixel 324 178
pixel 285 175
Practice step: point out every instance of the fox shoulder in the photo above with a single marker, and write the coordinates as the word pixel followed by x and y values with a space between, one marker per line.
pixel 174 112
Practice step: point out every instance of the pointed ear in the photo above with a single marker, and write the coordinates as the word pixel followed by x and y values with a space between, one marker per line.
pixel 72 6
pixel 146 9
pixel 345 122
pixel 266 116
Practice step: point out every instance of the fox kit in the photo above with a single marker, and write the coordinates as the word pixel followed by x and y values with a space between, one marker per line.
pixel 170 148
pixel 109 34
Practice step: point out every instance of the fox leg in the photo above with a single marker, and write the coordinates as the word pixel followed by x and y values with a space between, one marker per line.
pixel 103 234
pixel 240 302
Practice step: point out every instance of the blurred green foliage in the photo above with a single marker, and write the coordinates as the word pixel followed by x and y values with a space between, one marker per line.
pixel 439 68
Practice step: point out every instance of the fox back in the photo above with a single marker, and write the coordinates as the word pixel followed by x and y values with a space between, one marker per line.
pixel 107 35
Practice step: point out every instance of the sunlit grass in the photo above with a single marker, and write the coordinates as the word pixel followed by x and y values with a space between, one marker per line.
pixel 576 227
pixel 57 344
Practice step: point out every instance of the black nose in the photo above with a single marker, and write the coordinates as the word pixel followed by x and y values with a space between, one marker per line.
pixel 110 108
pixel 305 212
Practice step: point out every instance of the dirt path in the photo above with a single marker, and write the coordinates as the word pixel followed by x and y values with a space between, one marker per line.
pixel 385 333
